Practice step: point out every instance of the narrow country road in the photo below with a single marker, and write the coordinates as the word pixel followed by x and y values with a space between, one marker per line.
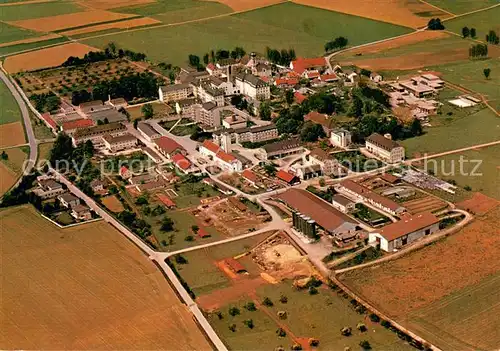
pixel 27 124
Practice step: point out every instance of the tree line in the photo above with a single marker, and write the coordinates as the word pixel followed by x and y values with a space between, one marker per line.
pixel 478 51
pixel 46 102
pixel 281 57
pixel 110 52
pixel 215 56
pixel 337 43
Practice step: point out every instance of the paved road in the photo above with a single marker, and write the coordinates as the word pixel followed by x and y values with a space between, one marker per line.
pixel 157 257
pixel 27 124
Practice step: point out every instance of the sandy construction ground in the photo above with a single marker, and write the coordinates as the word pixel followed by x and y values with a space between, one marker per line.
pixel 43 58
pixel 244 5
pixel 71 20
pixel 112 4
pixel 409 13
pixel 85 287
pixel 31 40
pixel 136 22
pixel 11 134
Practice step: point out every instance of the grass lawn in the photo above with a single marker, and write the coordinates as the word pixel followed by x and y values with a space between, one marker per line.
pixel 7 50
pixel 244 338
pixel 487 180
pixel 323 315
pixel 38 10
pixel 456 131
pixel 188 194
pixel 39 128
pixel 483 21
pixel 200 9
pixel 469 74
pixel 16 158
pixel 462 6
pixel 44 151
pixel 9 110
pixel 282 26
pixel 10 33
pixel 159 110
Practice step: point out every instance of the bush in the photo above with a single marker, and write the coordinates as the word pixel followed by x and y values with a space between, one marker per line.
pixel 313 290
pixel 251 306
pixel 365 345
pixel 248 323
pixel 313 342
pixel 178 258
pixel 189 238
pixel 283 299
pixel 267 302
pixel 281 333
pixel 232 327
pixel 374 318
pixel 219 315
pixel 234 311
pixel 361 327
pixel 385 324
pixel 296 347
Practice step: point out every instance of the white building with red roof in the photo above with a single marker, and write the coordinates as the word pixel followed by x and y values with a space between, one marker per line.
pixel 182 163
pixel 209 148
pixel 71 126
pixel 303 65
pixel 228 162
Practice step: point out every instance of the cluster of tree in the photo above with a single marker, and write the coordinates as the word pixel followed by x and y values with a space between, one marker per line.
pixel 137 225
pixel 147 111
pixel 199 135
pixel 435 24
pixel 468 32
pixel 492 37
pixel 20 195
pixel 222 54
pixel 183 282
pixel 337 43
pixel 366 100
pixel 79 96
pixel 169 70
pixel 265 111
pixel 194 61
pixel 111 52
pixel 140 85
pixel 478 51
pixel 369 124
pixel 280 57
pixel 46 102
pixel 311 132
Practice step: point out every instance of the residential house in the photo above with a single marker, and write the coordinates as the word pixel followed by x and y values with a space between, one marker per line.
pixel 254 134
pixel 97 185
pixel 209 149
pixel 181 162
pixel 329 78
pixel 287 83
pixel 385 148
pixel 148 132
pixel 250 177
pixel 319 118
pixel 306 171
pixel 119 143
pixel 48 188
pixel 396 235
pixel 125 173
pixel 228 162
pixel 81 212
pixel 69 200
pixel 143 178
pixel 207 93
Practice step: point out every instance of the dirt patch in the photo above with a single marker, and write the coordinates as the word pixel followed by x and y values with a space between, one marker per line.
pixel 427 275
pixel 44 58
pixel 136 22
pixel 409 13
pixel 85 288
pixel 479 204
pixel 413 38
pixel 53 23
pixel 111 4
pixel 245 5
pixel 31 40
pixel 11 134
pixel 112 204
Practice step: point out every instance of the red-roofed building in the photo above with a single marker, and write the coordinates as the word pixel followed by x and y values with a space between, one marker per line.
pixel 228 161
pixel 286 82
pixel 234 265
pixel 299 98
pixel 208 148
pixel 202 233
pixel 211 68
pixel 311 74
pixel 329 78
pixel 125 172
pixel 321 119
pixel 302 65
pixel 249 176
pixel 287 177
pixel 49 121
pixel 181 162
pixel 169 147
pixel 71 126
pixel 166 201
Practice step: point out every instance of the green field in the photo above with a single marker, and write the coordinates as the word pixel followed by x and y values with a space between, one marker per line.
pixel 7 50
pixel 466 316
pixel 37 10
pixel 469 74
pixel 483 21
pixel 175 11
pixel 10 33
pixel 462 6
pixel 456 131
pixel 9 110
pixel 281 26
pixel 487 179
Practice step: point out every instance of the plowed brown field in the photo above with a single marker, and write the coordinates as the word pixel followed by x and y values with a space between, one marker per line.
pixel 479 204
pixel 11 134
pixel 31 40
pixel 408 13
pixel 136 22
pixel 43 58
pixel 49 24
pixel 85 288
pixel 244 5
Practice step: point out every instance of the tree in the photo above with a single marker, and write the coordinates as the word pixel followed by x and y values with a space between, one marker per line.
pixel 232 327
pixel 281 333
pixel 283 299
pixel 337 43
pixel 416 127
pixel 62 149
pixel 180 259
pixel 435 24
pixel 365 345
pixel 4 156
pixel 206 59
pixel 289 96
pixel 167 224
pixel 492 37
pixel 374 318
pixel 265 111
pixel 234 311
pixel 188 238
pixel 473 32
pixel 249 323
pixel 312 132
pixel 465 32
pixel 250 306
pixel 267 302
pixel 147 111
pixel 195 228
pixel 487 72
pixel 194 60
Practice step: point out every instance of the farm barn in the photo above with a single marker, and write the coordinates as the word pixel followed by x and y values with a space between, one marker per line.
pixel 405 231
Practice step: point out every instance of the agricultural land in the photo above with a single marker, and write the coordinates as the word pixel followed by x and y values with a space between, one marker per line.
pixel 11 168
pixel 72 277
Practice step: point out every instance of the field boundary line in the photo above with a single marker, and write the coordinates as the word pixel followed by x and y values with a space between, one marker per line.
pixel 437 7
pixel 70 225
pixel 472 12
pixel 28 2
